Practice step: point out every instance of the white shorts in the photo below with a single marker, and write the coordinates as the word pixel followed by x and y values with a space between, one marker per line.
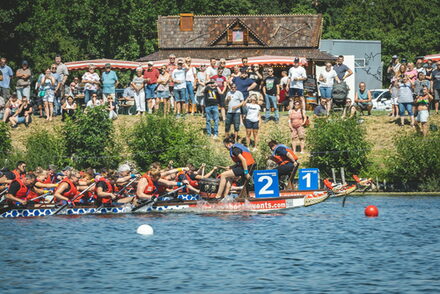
pixel 422 116
pixel 394 100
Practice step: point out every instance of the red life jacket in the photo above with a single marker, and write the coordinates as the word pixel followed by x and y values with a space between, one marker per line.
pixel 72 192
pixel 48 180
pixel 283 159
pixel 109 189
pixel 328 184
pixel 244 151
pixel 150 189
pixel 23 192
pixel 18 175
pixel 192 182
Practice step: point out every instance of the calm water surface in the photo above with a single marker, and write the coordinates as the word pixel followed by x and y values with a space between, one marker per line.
pixel 319 249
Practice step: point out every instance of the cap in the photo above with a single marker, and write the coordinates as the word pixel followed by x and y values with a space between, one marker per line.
pixel 67 168
pixel 180 60
pixel 124 168
pixel 296 60
pixel 52 167
pixel 24 62
pixel 14 94
pixel 172 56
pixel 395 56
pixel 108 65
pixel 243 70
pixel 150 63
pixel 210 82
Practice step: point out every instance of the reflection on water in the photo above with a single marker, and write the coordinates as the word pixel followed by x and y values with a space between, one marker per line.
pixel 319 249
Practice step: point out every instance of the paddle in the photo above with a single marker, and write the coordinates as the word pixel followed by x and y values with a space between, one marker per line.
pixel 122 190
pixel 153 200
pixel 74 198
pixel 292 176
pixel 41 196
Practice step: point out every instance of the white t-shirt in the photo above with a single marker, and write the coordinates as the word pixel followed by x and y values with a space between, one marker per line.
pixel 253 112
pixel 210 71
pixel 190 73
pixel 284 81
pixel 91 105
pixel 297 72
pixel 179 75
pixel 329 78
pixel 235 99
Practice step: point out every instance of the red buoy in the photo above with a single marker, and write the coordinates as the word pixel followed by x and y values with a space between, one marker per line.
pixel 371 211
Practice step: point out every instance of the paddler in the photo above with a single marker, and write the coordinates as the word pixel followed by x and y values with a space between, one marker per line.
pixel 104 189
pixel 18 173
pixel 152 185
pixel 67 189
pixel 284 157
pixel 19 190
pixel 244 164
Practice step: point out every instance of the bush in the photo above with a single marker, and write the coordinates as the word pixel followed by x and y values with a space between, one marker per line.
pixel 162 139
pixel 5 140
pixel 416 160
pixel 90 139
pixel 338 142
pixel 43 148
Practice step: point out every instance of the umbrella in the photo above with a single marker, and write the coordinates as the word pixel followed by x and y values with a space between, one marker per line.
pixel 433 57
pixel 194 61
pixel 100 63
pixel 268 60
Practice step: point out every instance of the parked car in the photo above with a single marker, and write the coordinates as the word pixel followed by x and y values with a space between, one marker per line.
pixel 381 99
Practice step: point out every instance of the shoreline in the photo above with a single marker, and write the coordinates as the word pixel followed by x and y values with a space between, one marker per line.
pixel 395 194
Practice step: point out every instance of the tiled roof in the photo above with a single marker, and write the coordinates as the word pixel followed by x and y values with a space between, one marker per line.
pixel 292 31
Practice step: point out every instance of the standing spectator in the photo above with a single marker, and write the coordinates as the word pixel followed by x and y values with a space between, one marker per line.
pixel 284 82
pixel 40 94
pixel 435 85
pixel 362 100
pixel 48 86
pixel 428 70
pixel 235 73
pixel 91 83
pixel 221 82
pixel 23 115
pixel 297 76
pixel 137 84
pixel 2 107
pixel 68 108
pixel 178 76
pixel 202 79
pixel 191 76
pixel 163 89
pixel 62 71
pixel 244 84
pixel 326 81
pixel 24 80
pixel 226 71
pixel 110 81
pixel 411 72
pixel 420 83
pixel 111 107
pixel 394 90
pixel 234 97
pixel 151 75
pixel 212 68
pixel 252 119
pixel 57 92
pixel 271 91
pixel 405 99
pixel 11 107
pixel 419 65
pixel 393 67
pixel 297 119
pixel 341 69
pixel 255 75
pixel 211 102
pixel 244 63
pixel 422 103
pixel 5 78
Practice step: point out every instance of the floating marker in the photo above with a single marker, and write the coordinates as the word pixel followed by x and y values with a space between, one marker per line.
pixel 371 211
pixel 145 230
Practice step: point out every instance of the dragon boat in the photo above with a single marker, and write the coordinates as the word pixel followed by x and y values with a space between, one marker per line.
pixel 183 203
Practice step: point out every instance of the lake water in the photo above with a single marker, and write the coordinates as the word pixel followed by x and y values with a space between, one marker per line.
pixel 325 248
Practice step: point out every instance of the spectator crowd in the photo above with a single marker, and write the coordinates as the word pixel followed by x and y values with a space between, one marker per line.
pixel 242 95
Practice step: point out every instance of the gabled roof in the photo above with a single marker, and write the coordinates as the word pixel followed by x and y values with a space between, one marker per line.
pixel 237 21
pixel 273 31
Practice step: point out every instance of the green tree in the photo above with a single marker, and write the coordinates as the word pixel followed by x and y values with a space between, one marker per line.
pixel 5 142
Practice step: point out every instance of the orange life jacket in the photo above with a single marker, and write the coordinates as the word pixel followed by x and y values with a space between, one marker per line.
pixel 23 192
pixel 72 192
pixel 110 189
pixel 283 159
pixel 150 189
pixel 328 184
pixel 244 151
pixel 192 182
pixel 18 175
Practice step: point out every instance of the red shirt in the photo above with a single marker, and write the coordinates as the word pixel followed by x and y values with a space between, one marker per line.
pixel 152 74
pixel 220 81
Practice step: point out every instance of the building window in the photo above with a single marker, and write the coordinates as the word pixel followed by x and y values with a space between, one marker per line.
pixel 359 62
pixel 237 37
pixel 186 22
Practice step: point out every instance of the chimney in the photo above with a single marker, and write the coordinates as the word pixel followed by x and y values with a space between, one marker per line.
pixel 186 22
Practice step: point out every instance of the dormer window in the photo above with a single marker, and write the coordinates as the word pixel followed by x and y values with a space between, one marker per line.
pixel 238 36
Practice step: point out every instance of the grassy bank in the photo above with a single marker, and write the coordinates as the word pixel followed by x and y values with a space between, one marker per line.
pixel 381 130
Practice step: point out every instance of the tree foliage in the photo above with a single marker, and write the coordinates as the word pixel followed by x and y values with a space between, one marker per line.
pixel 5 141
pixel 90 139
pixel 337 142
pixel 126 29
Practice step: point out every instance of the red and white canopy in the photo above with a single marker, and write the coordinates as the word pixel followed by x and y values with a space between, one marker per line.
pixel 268 60
pixel 100 63
pixel 194 61
pixel 433 57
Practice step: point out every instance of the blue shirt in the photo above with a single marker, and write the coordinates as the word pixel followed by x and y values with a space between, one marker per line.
pixel 7 75
pixel 243 85
pixel 108 82
pixel 57 78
